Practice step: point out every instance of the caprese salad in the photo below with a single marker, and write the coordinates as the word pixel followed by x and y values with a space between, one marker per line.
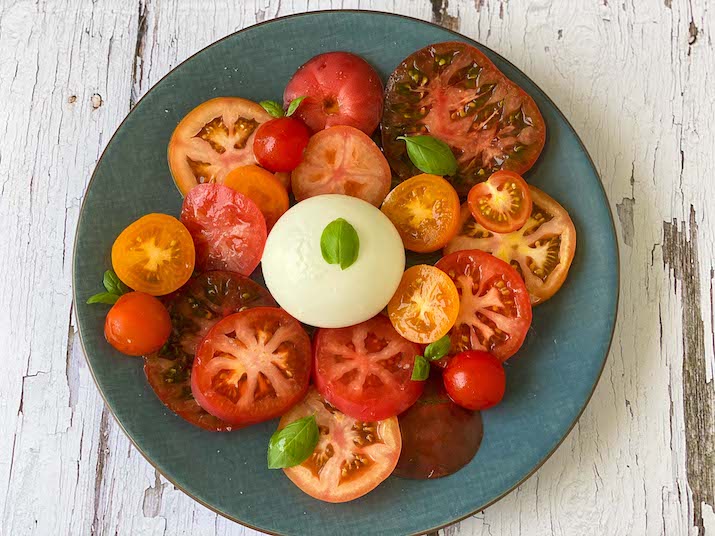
pixel 373 369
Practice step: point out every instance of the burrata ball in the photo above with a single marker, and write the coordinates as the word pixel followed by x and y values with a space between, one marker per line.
pixel 322 294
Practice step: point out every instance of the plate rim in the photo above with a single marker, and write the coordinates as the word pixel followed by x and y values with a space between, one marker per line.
pixel 455 33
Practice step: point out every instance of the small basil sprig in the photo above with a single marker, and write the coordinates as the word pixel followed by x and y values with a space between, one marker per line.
pixel 434 351
pixel 430 155
pixel 293 444
pixel 115 288
pixel 340 243
pixel 276 110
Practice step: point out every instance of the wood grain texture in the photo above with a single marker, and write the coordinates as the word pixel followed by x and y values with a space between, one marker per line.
pixel 632 77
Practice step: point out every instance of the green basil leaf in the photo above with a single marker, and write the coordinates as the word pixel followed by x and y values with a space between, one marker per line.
pixel 294 444
pixel 273 108
pixel 113 284
pixel 430 155
pixel 293 106
pixel 438 349
pixel 104 297
pixel 420 370
pixel 340 243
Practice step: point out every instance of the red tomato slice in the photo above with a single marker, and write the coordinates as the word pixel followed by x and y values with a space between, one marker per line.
pixel 494 307
pixel 252 366
pixel 365 370
pixel 352 456
pixel 453 92
pixel 438 436
pixel 342 160
pixel 228 228
pixel 502 204
pixel 194 309
pixel 340 89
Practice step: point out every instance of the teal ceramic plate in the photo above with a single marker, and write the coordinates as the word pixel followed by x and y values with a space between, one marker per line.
pixel 549 381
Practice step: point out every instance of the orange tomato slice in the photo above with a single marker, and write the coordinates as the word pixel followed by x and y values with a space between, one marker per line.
pixel 261 187
pixel 502 204
pixel 155 254
pixel 425 211
pixel 425 305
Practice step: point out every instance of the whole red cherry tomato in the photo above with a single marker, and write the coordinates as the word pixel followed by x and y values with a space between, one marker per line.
pixel 279 144
pixel 138 324
pixel 475 380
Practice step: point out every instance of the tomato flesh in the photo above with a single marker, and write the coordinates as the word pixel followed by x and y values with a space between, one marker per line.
pixel 194 310
pixel 352 456
pixel 453 92
pixel 541 251
pixel 228 229
pixel 340 88
pixel 279 144
pixel 494 309
pixel 502 204
pixel 365 370
pixel 137 324
pixel 252 366
pixel 438 436
pixel 475 380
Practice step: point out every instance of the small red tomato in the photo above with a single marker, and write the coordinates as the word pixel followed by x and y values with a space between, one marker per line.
pixel 475 380
pixel 138 324
pixel 279 144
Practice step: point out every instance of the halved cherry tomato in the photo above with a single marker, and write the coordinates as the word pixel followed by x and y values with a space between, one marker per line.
pixel 494 309
pixel 365 370
pixel 214 138
pixel 155 255
pixel 453 92
pixel 425 211
pixel 438 436
pixel 340 89
pixel 475 380
pixel 502 204
pixel 261 187
pixel 541 251
pixel 352 456
pixel 137 324
pixel 279 144
pixel 194 309
pixel 228 229
pixel 425 305
pixel 342 160
pixel 252 366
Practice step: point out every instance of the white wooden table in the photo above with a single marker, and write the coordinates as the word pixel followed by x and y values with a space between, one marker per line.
pixel 636 79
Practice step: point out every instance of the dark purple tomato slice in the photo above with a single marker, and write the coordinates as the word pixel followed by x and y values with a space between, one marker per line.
pixel 453 92
pixel 194 309
pixel 438 436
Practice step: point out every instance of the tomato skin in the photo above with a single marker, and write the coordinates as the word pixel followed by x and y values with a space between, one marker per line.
pixel 263 188
pixel 475 380
pixel 502 204
pixel 340 89
pixel 279 144
pixel 137 324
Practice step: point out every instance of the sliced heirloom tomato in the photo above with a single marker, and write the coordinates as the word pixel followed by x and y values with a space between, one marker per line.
pixel 154 255
pixel 352 456
pixel 365 370
pixel 541 251
pixel 342 160
pixel 425 305
pixel 502 204
pixel 252 366
pixel 261 187
pixel 214 138
pixel 453 92
pixel 494 308
pixel 228 229
pixel 194 310
pixel 425 211
pixel 438 436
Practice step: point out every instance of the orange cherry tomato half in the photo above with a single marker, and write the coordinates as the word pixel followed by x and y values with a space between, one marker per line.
pixel 261 187
pixel 138 324
pixel 425 211
pixel 502 204
pixel 353 456
pixel 425 305
pixel 155 254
